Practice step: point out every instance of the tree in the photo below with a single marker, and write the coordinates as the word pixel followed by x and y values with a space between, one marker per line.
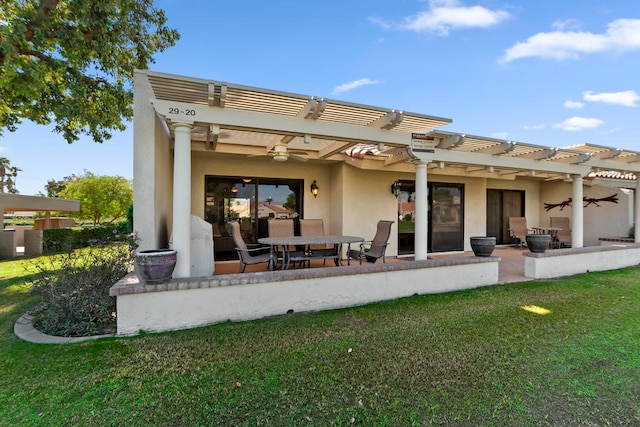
pixel 54 188
pixel 100 196
pixel 71 62
pixel 8 176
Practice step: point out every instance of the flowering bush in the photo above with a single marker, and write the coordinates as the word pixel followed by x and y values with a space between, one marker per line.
pixel 74 288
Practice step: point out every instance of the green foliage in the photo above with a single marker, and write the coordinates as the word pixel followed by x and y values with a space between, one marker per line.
pixel 632 232
pixel 71 61
pixel 100 196
pixel 73 288
pixel 8 174
pixel 61 239
pixel 130 219
pixel 54 188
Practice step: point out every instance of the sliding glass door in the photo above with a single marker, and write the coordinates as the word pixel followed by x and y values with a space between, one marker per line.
pixel 445 216
pixel 251 201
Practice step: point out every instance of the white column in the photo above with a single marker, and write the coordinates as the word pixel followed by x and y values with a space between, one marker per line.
pixel 181 227
pixel 577 226
pixel 636 209
pixel 422 227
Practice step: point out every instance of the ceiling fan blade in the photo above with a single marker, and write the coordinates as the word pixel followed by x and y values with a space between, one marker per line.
pixel 298 158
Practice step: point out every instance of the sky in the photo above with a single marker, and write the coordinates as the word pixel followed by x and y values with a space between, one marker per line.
pixel 553 73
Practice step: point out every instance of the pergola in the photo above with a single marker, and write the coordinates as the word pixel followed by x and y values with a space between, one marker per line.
pixel 239 120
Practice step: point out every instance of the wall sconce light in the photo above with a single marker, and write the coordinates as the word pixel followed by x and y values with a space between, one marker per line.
pixel 395 188
pixel 314 189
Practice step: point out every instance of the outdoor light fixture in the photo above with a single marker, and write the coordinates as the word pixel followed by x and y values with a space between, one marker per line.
pixel 234 189
pixel 247 180
pixel 314 189
pixel 395 188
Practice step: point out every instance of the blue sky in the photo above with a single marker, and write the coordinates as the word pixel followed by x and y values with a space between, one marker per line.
pixel 553 73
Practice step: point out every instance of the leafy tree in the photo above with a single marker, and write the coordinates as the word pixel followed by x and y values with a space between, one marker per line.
pixel 54 188
pixel 71 61
pixel 8 176
pixel 100 196
pixel 290 204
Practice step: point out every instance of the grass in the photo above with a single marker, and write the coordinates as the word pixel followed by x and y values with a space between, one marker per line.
pixel 572 357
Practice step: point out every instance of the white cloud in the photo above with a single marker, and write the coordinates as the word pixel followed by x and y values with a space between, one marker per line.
pixel 628 98
pixel 576 123
pixel 566 24
pixel 621 35
pixel 573 104
pixel 442 16
pixel 353 85
pixel 535 127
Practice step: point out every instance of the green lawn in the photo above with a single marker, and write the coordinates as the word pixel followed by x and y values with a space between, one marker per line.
pixel 466 358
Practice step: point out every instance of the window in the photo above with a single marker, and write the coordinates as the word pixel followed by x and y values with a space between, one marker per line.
pixel 251 201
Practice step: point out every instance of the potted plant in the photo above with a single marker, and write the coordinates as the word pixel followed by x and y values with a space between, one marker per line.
pixel 538 243
pixel 155 265
pixel 483 245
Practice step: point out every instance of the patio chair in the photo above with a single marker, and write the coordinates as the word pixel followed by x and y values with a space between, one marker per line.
pixel 564 234
pixel 284 228
pixel 518 229
pixel 248 256
pixel 373 250
pixel 315 227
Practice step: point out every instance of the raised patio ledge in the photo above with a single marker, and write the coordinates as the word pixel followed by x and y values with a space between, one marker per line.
pixel 198 301
pixel 566 262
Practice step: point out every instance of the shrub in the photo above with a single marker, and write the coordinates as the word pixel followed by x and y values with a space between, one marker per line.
pixel 64 239
pixel 74 289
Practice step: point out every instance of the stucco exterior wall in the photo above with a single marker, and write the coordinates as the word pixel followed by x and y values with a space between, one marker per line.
pixel 607 220
pixel 153 171
pixel 367 199
pixel 187 303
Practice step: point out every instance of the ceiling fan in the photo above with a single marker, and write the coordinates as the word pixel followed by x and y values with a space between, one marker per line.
pixel 281 153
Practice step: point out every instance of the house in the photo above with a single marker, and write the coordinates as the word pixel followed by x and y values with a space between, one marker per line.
pixel 220 150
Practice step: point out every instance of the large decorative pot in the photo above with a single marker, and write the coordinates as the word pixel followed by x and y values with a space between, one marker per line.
pixel 483 245
pixel 538 242
pixel 156 265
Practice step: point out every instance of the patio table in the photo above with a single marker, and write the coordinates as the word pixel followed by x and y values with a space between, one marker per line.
pixel 306 241
pixel 553 231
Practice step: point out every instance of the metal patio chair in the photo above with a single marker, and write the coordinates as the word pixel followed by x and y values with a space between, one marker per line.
pixel 374 249
pixel 248 256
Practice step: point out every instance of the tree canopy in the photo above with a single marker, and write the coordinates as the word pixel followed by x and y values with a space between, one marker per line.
pixel 100 196
pixel 71 62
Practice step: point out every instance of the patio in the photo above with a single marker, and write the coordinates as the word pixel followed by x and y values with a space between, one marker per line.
pixel 511 265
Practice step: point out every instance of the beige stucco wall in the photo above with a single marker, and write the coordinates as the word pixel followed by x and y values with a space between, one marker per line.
pixel 153 171
pixel 607 220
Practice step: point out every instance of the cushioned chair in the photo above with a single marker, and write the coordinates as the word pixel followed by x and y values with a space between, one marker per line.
pixel 284 228
pixel 373 250
pixel 315 227
pixel 518 229
pixel 564 234
pixel 248 256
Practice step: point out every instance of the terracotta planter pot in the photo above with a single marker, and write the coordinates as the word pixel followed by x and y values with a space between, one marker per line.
pixel 483 245
pixel 538 242
pixel 156 265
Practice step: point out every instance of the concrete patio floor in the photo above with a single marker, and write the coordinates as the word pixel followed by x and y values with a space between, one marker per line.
pixel 511 267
